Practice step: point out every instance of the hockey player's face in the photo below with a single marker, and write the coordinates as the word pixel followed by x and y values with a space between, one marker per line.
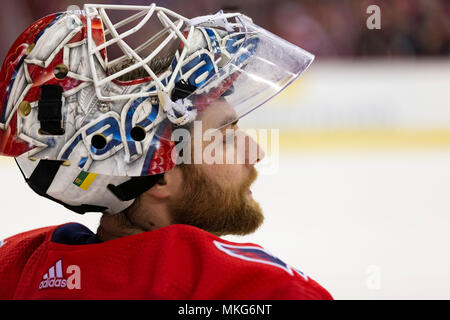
pixel 216 196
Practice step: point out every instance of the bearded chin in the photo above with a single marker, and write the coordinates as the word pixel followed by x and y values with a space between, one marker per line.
pixel 207 206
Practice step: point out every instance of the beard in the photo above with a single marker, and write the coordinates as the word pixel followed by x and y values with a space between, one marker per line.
pixel 218 210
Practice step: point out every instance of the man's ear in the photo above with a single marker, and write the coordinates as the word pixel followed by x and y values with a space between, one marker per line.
pixel 168 185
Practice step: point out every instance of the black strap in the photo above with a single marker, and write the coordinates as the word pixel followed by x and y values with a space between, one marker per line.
pixel 181 90
pixel 43 175
pixel 49 110
pixel 46 170
pixel 132 188
pixel 41 179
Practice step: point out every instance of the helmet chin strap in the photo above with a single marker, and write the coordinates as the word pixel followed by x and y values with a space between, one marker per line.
pixel 46 170
pixel 43 175
pixel 134 187
pixel 41 179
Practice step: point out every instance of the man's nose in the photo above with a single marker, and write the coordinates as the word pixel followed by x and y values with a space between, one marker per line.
pixel 253 151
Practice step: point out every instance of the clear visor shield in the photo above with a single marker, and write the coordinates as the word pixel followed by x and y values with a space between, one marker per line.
pixel 262 66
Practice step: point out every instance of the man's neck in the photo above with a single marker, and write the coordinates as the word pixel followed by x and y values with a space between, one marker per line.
pixel 140 217
pixel 116 226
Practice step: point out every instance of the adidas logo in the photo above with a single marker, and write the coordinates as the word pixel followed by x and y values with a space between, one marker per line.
pixel 54 278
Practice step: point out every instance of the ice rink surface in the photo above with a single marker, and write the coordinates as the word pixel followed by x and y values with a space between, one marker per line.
pixel 365 225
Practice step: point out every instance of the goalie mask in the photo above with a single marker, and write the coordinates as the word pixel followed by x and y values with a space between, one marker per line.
pixel 92 131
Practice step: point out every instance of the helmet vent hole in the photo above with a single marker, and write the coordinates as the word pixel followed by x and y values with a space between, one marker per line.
pixel 138 133
pixel 61 71
pixel 98 141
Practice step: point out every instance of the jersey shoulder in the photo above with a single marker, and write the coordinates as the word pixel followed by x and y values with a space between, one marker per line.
pixel 15 251
pixel 226 263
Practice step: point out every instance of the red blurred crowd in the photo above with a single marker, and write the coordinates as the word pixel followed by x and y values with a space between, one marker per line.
pixel 333 28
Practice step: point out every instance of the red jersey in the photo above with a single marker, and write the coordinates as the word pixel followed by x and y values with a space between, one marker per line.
pixel 174 262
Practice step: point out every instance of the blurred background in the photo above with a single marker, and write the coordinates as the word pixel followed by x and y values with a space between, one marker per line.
pixel 360 195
